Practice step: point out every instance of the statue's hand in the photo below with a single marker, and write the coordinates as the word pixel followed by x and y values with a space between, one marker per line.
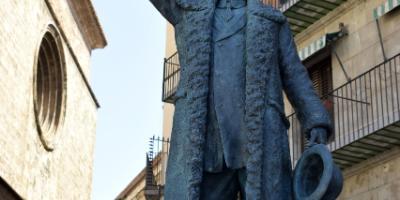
pixel 318 136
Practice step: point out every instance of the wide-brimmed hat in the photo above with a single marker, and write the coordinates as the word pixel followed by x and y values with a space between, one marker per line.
pixel 316 177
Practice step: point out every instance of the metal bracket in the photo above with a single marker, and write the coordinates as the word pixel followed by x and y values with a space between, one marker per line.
pixel 381 40
pixel 363 102
pixel 331 38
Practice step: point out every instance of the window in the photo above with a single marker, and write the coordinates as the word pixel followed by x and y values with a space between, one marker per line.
pixel 320 71
pixel 321 77
pixel 49 86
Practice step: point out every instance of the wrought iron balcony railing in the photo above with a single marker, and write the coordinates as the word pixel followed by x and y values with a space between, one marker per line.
pixel 156 160
pixel 365 112
pixel 366 116
pixel 170 78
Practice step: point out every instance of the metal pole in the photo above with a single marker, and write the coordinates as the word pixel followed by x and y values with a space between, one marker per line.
pixel 341 64
pixel 380 39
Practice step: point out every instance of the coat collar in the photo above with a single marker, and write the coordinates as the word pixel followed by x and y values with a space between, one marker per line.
pixel 235 24
pixel 196 5
pixel 255 7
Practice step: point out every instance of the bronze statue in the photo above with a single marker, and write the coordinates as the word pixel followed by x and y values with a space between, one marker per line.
pixel 229 132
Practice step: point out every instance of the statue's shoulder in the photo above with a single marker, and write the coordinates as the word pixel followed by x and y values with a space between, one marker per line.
pixel 169 9
pixel 266 11
pixel 194 5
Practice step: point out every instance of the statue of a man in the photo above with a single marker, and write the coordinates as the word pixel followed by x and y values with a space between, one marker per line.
pixel 229 132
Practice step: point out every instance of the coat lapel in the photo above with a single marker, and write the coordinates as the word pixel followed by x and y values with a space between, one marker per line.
pixel 231 27
pixel 198 37
pixel 261 47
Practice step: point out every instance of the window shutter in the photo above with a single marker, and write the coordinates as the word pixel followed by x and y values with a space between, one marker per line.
pixel 273 3
pixel 321 78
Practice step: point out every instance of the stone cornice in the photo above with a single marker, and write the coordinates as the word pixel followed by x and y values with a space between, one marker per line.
pixel 74 57
pixel 326 20
pixel 88 22
pixel 132 185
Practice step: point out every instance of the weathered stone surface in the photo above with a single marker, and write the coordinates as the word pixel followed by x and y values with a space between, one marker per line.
pixel 33 172
pixel 376 178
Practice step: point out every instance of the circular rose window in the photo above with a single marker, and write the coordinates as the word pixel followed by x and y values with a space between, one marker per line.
pixel 49 87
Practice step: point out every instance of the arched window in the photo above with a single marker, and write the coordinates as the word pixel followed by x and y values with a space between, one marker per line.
pixel 49 86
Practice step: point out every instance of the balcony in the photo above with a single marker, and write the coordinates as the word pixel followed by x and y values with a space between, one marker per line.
pixel 366 116
pixel 171 77
pixel 156 160
pixel 365 112
pixel 303 13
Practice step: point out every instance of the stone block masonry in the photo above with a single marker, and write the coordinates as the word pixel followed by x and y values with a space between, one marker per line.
pixel 31 170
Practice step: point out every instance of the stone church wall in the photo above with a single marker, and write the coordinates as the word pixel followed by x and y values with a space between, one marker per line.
pixel 31 170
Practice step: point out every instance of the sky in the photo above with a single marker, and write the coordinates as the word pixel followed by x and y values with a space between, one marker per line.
pixel 126 77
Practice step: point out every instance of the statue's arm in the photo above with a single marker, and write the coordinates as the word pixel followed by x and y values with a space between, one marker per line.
pixel 169 9
pixel 298 86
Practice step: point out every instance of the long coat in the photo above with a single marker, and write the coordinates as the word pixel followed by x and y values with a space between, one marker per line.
pixel 272 66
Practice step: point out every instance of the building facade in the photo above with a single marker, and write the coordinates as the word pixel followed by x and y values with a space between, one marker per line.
pixel 351 49
pixel 149 183
pixel 48 110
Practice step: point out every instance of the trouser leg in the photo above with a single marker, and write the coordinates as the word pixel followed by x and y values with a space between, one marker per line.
pixel 242 176
pixel 220 186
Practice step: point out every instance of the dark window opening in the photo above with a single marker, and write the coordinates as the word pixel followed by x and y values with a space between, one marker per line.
pixel 319 69
pixel 49 94
pixel 7 192
pixel 321 77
